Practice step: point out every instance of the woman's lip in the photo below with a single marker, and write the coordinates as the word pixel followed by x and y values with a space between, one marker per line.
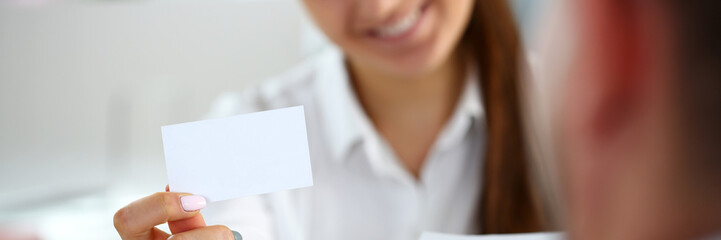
pixel 405 12
pixel 422 12
pixel 400 26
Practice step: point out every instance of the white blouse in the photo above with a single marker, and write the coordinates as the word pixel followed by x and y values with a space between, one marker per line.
pixel 361 191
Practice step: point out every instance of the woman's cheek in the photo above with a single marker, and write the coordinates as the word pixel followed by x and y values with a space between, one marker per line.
pixel 332 19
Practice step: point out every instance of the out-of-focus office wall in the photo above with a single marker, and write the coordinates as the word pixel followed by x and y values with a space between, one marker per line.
pixel 85 86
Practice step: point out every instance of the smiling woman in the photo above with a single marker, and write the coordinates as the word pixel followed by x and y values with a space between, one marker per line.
pixel 416 40
pixel 413 125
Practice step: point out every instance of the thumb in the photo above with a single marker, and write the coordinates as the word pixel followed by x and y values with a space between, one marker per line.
pixel 187 224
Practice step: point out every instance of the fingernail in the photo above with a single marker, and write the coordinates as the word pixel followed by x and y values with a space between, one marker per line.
pixel 192 202
pixel 237 235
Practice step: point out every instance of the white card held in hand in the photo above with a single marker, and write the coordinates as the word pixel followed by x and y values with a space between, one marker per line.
pixel 239 156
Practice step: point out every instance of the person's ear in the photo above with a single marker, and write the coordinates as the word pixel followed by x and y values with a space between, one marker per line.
pixel 619 67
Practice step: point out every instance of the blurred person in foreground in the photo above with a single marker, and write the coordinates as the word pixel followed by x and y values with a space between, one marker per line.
pixel 636 121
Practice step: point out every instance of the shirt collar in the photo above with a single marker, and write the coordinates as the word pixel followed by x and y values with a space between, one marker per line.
pixel 470 101
pixel 468 111
pixel 345 121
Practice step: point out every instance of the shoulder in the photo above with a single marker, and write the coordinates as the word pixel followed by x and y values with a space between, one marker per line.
pixel 293 87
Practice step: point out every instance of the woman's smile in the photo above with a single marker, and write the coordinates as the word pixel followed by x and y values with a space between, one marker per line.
pixel 400 28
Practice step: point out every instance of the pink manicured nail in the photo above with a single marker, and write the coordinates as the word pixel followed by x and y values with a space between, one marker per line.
pixel 192 202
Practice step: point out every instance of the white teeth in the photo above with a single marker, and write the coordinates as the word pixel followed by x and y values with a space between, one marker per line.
pixel 400 26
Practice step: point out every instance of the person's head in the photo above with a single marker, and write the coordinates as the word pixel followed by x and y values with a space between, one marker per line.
pixel 411 38
pixel 638 120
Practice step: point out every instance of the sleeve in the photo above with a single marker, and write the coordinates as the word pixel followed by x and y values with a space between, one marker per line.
pixel 250 216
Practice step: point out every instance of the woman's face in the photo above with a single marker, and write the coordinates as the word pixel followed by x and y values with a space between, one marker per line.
pixel 396 37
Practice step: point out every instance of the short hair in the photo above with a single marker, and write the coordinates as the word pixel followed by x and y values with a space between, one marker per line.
pixel 698 39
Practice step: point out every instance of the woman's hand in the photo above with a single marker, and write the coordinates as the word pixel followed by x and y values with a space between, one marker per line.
pixel 137 220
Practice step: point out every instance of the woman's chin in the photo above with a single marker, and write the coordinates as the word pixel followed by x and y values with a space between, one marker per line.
pixel 412 69
pixel 407 63
pixel 417 66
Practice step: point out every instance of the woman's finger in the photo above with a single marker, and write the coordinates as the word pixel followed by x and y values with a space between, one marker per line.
pixel 140 217
pixel 186 224
pixel 212 232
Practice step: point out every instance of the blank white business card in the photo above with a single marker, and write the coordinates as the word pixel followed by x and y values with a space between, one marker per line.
pixel 239 156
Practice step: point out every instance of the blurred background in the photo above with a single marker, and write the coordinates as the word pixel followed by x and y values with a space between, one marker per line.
pixel 86 84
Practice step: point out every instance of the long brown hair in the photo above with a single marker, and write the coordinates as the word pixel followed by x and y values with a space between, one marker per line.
pixel 509 203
